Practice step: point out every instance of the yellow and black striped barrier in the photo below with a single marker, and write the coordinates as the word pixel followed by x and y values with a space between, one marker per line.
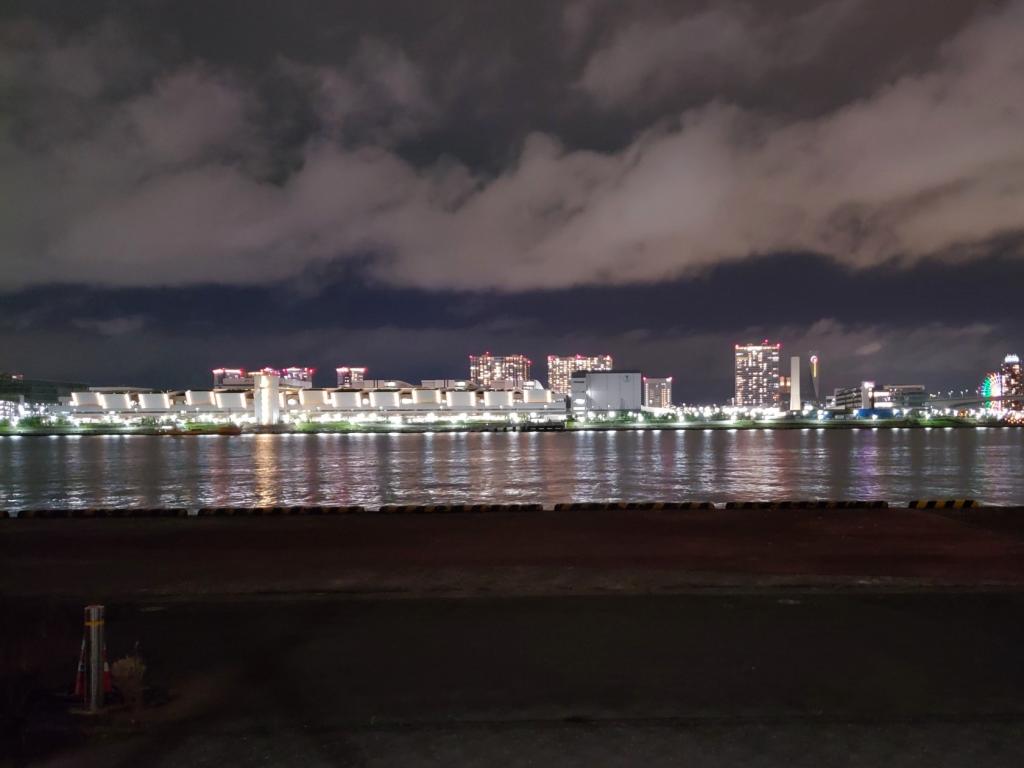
pixel 150 512
pixel 392 509
pixel 225 511
pixel 295 510
pixel 598 506
pixel 808 504
pixel 335 509
pixel 669 505
pixel 97 513
pixel 86 513
pixel 851 504
pixel 941 504
pixel 589 506
pixel 457 508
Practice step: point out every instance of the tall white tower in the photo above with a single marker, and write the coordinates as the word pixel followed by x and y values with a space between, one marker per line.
pixel 266 388
pixel 795 403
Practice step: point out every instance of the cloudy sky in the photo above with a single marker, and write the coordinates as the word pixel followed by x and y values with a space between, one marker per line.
pixel 399 184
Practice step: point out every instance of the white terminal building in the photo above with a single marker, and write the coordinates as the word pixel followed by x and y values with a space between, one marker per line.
pixel 271 399
pixel 611 392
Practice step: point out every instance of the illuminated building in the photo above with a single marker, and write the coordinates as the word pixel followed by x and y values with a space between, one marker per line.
pixel 607 391
pixel 385 384
pixel 239 378
pixel 795 403
pixel 561 368
pixel 489 370
pixel 10 410
pixel 298 376
pixel 393 402
pixel 757 375
pixel 351 377
pixel 1012 382
pixel 447 384
pixel 907 396
pixel 658 392
pixel 855 398
pixel 890 396
pixel 231 377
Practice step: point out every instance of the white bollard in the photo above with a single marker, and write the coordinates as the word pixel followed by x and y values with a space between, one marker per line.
pixel 94 631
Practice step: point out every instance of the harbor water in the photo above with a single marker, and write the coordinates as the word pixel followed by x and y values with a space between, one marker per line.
pixel 372 469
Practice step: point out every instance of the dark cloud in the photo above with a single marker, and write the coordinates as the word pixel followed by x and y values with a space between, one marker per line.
pixel 631 177
pixel 164 185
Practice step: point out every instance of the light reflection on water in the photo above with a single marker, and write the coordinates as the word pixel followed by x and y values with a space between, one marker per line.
pixel 373 469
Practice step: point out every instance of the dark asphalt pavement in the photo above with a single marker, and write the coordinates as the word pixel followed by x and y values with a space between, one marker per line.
pixel 508 553
pixel 776 677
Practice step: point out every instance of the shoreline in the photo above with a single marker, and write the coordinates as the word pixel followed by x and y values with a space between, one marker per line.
pixel 418 429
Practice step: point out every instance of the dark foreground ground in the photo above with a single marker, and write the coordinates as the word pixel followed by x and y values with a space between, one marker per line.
pixel 508 552
pixel 711 639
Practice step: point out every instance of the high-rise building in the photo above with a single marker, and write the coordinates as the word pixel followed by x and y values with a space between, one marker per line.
pixel 757 375
pixel 351 377
pixel 1012 383
pixel 489 370
pixel 562 367
pixel 658 392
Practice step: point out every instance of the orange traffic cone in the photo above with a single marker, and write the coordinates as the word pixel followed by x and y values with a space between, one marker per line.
pixel 80 675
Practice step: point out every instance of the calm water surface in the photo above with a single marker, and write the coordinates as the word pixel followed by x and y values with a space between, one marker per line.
pixel 985 464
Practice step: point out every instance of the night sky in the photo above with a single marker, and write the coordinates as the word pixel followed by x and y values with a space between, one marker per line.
pixel 400 184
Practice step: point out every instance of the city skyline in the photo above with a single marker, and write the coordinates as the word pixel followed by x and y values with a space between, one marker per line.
pixel 760 378
pixel 189 189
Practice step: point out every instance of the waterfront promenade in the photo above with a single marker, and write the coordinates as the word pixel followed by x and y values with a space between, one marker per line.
pixel 719 636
